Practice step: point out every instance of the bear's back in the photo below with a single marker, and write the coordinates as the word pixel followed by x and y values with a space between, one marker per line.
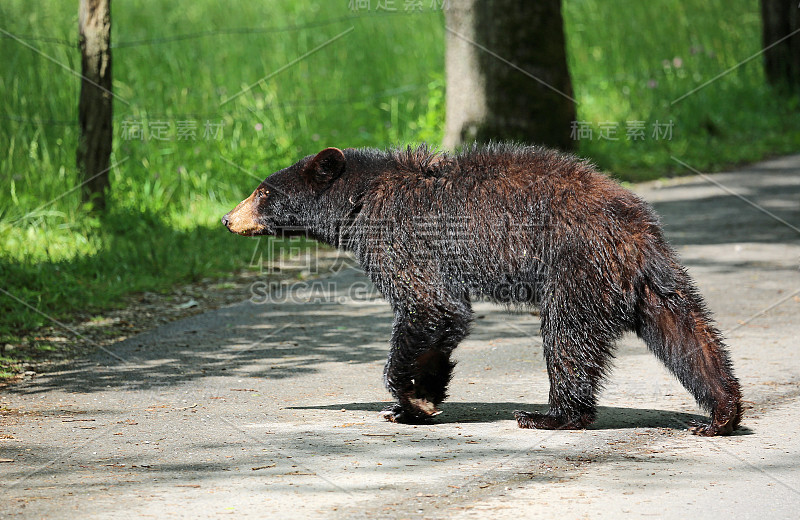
pixel 477 216
pixel 491 183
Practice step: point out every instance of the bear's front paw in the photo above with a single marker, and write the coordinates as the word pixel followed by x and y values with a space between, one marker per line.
pixel 546 421
pixel 398 414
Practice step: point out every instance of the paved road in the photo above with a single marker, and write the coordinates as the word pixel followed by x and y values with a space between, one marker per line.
pixel 270 409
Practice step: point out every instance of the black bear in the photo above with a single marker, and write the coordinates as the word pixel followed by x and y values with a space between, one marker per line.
pixel 518 225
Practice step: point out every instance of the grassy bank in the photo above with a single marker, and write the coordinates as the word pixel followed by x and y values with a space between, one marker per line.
pixel 694 66
pixel 196 129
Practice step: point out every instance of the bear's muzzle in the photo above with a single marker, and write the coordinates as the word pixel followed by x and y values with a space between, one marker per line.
pixel 243 219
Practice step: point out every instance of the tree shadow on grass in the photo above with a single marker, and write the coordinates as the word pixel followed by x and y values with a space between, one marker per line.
pixel 136 251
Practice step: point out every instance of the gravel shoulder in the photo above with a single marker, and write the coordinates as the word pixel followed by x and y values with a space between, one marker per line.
pixel 268 407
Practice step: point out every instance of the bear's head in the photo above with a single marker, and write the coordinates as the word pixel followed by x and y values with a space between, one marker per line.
pixel 287 200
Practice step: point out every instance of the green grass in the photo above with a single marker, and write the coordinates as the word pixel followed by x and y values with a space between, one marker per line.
pixel 379 84
pixel 631 61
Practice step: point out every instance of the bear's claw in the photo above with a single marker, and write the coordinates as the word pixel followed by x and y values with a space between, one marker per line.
pixel 397 414
pixel 710 429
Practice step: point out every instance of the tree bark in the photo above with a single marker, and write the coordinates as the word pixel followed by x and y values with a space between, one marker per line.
pixel 780 18
pixel 507 76
pixel 95 105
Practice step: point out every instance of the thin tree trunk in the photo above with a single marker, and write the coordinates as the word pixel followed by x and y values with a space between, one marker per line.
pixel 781 18
pixel 507 76
pixel 95 105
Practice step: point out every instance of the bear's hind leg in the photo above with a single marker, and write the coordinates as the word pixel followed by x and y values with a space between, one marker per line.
pixel 681 333
pixel 576 357
pixel 419 366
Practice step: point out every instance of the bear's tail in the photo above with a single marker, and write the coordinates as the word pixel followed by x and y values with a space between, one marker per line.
pixel 676 326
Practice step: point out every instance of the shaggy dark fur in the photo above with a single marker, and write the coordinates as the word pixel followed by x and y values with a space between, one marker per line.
pixel 519 225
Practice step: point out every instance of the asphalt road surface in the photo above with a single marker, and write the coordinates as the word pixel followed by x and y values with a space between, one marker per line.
pixel 270 408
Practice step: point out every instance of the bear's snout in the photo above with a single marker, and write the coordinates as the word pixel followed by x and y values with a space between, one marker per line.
pixel 243 219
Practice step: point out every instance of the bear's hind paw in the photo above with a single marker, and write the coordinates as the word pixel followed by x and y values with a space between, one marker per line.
pixel 710 429
pixel 541 421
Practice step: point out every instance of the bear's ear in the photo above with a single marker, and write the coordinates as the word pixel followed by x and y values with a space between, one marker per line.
pixel 325 168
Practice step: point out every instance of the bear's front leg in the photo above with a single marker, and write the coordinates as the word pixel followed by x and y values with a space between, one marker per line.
pixel 418 387
pixel 577 353
pixel 419 367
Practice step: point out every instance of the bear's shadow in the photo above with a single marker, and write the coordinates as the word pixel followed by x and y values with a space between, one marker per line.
pixel 608 417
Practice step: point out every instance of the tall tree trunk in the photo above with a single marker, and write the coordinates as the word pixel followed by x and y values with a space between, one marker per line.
pixel 95 105
pixel 507 76
pixel 781 18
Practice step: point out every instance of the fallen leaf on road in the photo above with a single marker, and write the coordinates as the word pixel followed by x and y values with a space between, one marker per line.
pixel 187 305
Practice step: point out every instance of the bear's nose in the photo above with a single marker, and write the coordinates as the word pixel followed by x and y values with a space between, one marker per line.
pixel 225 220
